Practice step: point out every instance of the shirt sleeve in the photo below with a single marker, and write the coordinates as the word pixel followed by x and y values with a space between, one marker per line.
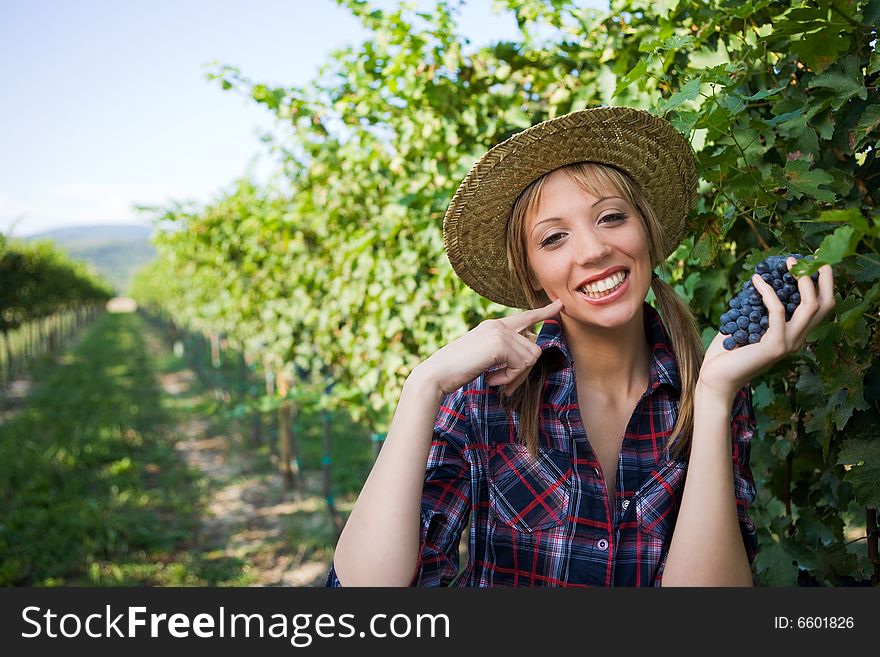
pixel 742 428
pixel 446 496
pixel 446 503
pixel 332 579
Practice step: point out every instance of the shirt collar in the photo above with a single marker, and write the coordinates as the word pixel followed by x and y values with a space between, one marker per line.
pixel 663 367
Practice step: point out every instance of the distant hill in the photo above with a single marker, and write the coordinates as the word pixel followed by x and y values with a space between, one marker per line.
pixel 116 252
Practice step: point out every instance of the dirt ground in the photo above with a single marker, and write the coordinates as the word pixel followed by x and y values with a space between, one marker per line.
pixel 246 510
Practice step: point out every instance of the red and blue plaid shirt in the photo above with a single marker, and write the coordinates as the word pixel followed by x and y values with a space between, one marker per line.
pixel 547 521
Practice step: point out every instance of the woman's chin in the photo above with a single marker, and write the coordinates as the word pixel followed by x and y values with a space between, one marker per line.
pixel 609 316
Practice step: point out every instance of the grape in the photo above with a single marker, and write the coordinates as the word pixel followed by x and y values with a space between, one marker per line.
pixel 747 321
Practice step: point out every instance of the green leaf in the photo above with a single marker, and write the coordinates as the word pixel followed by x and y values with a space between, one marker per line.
pixel 784 118
pixel 516 117
pixel 709 286
pixel 843 80
pixel 776 566
pixel 850 216
pixel 761 95
pixel 874 63
pixel 870 12
pixel 801 180
pixel 838 245
pixel 705 249
pixel 808 383
pixel 820 49
pixel 678 42
pixel 849 318
pixel 688 92
pixel 864 475
pixel 858 451
pixel 717 121
pixel 762 395
pixel 684 122
pixel 675 42
pixel 868 123
pixel 720 74
pixel 639 71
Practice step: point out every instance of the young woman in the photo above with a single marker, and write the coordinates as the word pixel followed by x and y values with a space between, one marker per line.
pixel 608 451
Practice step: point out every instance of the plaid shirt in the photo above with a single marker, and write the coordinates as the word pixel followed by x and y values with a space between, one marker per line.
pixel 547 522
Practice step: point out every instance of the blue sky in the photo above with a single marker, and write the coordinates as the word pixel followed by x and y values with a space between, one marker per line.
pixel 105 103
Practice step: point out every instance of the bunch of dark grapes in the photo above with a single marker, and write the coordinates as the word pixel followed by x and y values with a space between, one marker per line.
pixel 747 321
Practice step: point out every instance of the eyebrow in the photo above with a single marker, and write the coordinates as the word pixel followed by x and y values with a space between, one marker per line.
pixel 599 200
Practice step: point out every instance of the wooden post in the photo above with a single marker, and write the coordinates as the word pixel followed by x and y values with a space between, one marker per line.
pixel 52 341
pixel 284 417
pixel 377 439
pixel 240 378
pixel 873 538
pixel 215 350
pixel 327 467
pixel 7 359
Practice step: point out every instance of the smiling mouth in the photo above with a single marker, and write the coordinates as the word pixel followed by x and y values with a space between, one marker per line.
pixel 605 287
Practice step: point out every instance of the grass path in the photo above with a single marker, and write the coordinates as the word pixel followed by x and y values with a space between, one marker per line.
pixel 121 469
pixel 281 538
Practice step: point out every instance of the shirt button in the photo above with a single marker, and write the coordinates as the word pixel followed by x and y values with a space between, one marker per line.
pixel 602 544
pixel 596 470
pixel 625 504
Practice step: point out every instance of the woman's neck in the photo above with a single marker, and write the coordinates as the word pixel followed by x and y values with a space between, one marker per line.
pixel 609 362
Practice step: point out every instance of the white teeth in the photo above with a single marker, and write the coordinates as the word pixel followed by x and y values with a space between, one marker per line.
pixel 605 285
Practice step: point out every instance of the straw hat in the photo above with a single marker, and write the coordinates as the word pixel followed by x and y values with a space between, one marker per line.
pixel 646 147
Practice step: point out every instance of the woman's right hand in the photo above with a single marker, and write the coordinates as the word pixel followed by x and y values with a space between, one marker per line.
pixel 494 343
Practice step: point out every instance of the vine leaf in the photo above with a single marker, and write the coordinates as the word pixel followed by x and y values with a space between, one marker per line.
pixel 863 455
pixel 802 180
pixel 776 565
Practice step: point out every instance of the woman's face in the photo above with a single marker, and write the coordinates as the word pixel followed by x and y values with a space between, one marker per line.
pixel 591 252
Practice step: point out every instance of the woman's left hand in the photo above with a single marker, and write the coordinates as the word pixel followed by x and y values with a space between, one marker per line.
pixel 725 372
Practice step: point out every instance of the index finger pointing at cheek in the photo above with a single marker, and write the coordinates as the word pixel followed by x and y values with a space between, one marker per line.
pixel 527 318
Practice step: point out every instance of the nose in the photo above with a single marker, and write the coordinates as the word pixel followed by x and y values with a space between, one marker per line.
pixel 590 248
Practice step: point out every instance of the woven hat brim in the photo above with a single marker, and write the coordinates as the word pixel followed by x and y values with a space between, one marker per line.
pixel 654 154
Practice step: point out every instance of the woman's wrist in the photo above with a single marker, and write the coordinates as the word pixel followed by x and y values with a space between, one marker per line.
pixel 714 393
pixel 421 380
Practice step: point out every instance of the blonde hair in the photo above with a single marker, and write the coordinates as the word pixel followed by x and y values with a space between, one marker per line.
pixel 678 319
